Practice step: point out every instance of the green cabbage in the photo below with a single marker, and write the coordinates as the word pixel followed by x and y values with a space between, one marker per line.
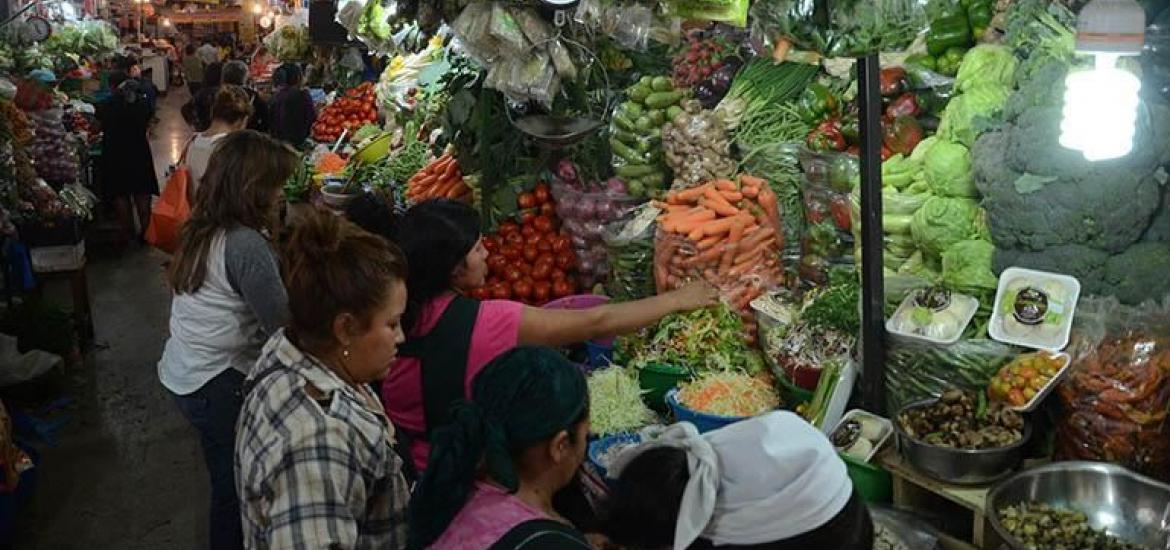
pixel 923 147
pixel 948 170
pixel 986 64
pixel 966 266
pixel 961 122
pixel 943 221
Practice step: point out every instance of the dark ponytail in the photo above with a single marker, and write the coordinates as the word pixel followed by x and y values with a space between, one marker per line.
pixel 436 236
pixel 642 511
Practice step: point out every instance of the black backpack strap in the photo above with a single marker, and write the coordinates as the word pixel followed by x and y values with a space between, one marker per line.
pixel 541 534
pixel 443 353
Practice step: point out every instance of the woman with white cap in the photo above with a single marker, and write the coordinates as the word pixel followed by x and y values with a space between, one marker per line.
pixel 772 482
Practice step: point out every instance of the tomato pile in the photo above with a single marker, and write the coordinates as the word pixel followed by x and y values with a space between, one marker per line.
pixel 348 112
pixel 530 261
pixel 1019 381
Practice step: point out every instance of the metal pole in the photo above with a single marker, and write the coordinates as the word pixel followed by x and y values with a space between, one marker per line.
pixel 872 285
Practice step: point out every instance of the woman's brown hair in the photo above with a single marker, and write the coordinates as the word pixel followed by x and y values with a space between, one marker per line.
pixel 331 267
pixel 231 104
pixel 241 188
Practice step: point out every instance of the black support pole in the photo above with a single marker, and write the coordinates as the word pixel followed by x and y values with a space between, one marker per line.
pixel 869 102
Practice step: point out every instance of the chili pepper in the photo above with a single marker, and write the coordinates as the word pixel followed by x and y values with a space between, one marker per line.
pixel 951 31
pixel 850 128
pixel 902 135
pixel 904 105
pixel 949 61
pixel 893 81
pixel 817 102
pixel 979 15
pixel 922 60
pixel 827 136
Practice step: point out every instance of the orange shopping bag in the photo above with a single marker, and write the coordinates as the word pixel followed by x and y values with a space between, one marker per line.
pixel 170 212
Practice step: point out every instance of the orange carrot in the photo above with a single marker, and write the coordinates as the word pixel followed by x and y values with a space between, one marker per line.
pixel 456 190
pixel 708 243
pixel 716 202
pixel 732 196
pixel 452 168
pixel 767 200
pixel 737 226
pixel 752 181
pixel 760 235
pixel 689 195
pixel 750 192
pixel 725 185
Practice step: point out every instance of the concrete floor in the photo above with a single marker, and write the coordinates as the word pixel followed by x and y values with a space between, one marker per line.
pixel 127 473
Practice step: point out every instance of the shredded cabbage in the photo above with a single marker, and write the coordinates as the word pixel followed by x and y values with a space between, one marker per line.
pixel 729 394
pixel 615 402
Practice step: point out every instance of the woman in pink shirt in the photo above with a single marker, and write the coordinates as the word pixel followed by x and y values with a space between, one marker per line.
pixel 450 337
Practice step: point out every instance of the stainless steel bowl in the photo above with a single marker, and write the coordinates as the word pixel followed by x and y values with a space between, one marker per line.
pixel 1126 505
pixel 960 466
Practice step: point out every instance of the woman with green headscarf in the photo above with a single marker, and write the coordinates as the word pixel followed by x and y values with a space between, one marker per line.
pixel 494 469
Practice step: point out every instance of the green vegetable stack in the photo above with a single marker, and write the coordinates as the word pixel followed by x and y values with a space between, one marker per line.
pixel 636 134
pixel 954 28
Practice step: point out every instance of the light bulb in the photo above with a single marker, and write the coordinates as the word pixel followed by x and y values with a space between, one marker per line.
pixel 1100 110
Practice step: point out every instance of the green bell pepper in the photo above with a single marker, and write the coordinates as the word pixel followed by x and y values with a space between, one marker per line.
pixel 951 31
pixel 979 15
pixel 922 60
pixel 816 103
pixel 949 61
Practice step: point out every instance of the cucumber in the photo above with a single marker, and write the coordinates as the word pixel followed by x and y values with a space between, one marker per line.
pixel 663 100
pixel 672 112
pixel 638 93
pixel 633 171
pixel 623 122
pixel 647 81
pixel 624 151
pixel 642 146
pixel 624 136
pixel 657 117
pixel 633 110
pixel 662 84
pixel 643 124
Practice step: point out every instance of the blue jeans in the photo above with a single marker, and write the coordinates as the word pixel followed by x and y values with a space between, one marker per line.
pixel 213 410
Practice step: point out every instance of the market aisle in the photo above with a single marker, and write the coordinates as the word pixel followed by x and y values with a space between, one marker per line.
pixel 127 473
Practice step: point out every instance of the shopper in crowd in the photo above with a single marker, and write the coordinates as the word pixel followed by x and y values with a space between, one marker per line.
pixel 236 73
pixel 292 112
pixel 197 112
pixel 207 53
pixel 450 337
pixel 192 70
pixel 229 113
pixel 314 458
pixel 371 212
pixel 519 440
pixel 228 298
pixel 131 65
pixel 260 61
pixel 127 165
pixel 772 482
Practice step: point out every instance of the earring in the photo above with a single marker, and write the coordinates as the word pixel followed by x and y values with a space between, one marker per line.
pixel 345 353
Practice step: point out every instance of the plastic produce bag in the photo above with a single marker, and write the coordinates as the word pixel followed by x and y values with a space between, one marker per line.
pixel 899 530
pixel 1115 394
pixel 505 29
pixel 584 216
pixel 629 243
pixel 917 370
pixel 841 28
pixel 733 12
pixel 472 30
pixel 696 146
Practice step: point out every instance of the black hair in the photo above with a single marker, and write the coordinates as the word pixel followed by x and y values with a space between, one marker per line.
pixel 371 212
pixel 125 62
pixel 213 74
pixel 288 74
pixel 436 236
pixel 190 49
pixel 642 511
pixel 117 78
pixel 234 72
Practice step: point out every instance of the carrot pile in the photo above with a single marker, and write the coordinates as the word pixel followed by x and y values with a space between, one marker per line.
pixel 330 163
pixel 725 232
pixel 440 179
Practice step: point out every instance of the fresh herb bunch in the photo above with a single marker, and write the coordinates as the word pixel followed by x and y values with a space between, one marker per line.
pixel 836 305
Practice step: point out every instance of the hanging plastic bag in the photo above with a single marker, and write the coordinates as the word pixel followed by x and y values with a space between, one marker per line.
pixel 629 245
pixel 840 28
pixel 733 12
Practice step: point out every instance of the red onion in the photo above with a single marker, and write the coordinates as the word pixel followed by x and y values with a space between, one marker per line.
pixel 586 209
pixel 616 186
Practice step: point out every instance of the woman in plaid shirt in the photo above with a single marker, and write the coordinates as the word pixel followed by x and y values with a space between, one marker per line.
pixel 315 464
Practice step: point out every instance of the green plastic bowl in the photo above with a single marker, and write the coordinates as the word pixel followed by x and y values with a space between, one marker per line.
pixel 792 394
pixel 375 150
pixel 872 482
pixel 656 379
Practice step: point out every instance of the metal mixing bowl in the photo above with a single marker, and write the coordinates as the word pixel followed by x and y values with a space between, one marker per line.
pixel 960 466
pixel 1126 505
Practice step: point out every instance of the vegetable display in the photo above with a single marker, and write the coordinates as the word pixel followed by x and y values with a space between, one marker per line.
pixel 349 112
pixel 1040 525
pixel 586 208
pixel 1034 309
pixel 615 402
pixel 935 315
pixel 289 42
pixel 630 253
pixel 700 57
pixel 636 133
pixel 439 179
pixel 732 394
pixel 963 420
pixel 704 340
pixel 860 434
pixel 53 149
pixel 1019 381
pixel 850 28
pixel 696 146
pixel 915 371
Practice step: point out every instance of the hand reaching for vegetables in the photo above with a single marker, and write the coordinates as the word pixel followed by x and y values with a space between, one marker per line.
pixel 694 295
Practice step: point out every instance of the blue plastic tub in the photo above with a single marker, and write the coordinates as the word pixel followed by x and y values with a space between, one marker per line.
pixel 600 356
pixel 703 421
pixel 597 448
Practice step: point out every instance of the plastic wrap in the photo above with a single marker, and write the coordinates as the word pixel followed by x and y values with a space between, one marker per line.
pixel 636 134
pixel 841 28
pixel 53 148
pixel 506 31
pixel 472 30
pixel 696 146
pixel 630 246
pixel 629 24
pixel 918 370
pixel 899 530
pixel 584 216
pixel 732 12
pixel 1115 394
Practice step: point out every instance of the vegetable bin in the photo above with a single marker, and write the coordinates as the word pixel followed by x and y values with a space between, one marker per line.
pixel 656 379
pixel 704 422
pixel 872 482
pixel 598 448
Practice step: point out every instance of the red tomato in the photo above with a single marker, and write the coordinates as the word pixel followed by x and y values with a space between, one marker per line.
pixel 528 232
pixel 543 224
pixel 526 217
pixel 548 209
pixel 544 244
pixel 497 264
pixel 492 242
pixel 513 274
pixel 562 288
pixel 515 239
pixel 531 253
pixel 500 291
pixel 511 251
pixel 542 271
pixel 566 260
pixel 522 289
pixel 547 258
pixel 526 200
pixel 558 274
pixel 480 293
pixel 541 290
pixel 542 193
pixel 508 228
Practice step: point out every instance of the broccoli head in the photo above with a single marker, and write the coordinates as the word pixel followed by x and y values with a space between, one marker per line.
pixel 1139 273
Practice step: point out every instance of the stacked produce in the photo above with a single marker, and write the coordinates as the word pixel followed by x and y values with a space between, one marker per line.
pixel 53 149
pixel 347 114
pixel 700 341
pixel 615 402
pixel 532 261
pixel 586 207
pixel 630 252
pixel 840 29
pixel 1018 382
pixel 706 63
pixel 725 232
pixel 962 420
pixel 954 28
pixel 398 86
pixel 1039 525
pixel 800 336
pixel 697 148
pixel 440 179
pixel 82 39
pixel 636 133
pixel 732 394
pixel 289 42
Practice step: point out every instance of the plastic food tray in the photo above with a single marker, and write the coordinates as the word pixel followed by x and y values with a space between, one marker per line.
pixel 887 431
pixel 1048 387
pixel 958 300
pixel 997 314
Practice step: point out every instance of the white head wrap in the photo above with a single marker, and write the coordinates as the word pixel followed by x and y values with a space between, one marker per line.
pixel 764 479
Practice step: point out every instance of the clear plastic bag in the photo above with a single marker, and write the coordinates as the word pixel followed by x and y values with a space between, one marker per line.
pixel 629 244
pixel 907 531
pixel 841 28
pixel 732 12
pixel 632 25
pixel 535 29
pixel 918 370
pixel 584 216
pixel 505 29
pixel 472 28
pixel 1115 394
pixel 696 147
